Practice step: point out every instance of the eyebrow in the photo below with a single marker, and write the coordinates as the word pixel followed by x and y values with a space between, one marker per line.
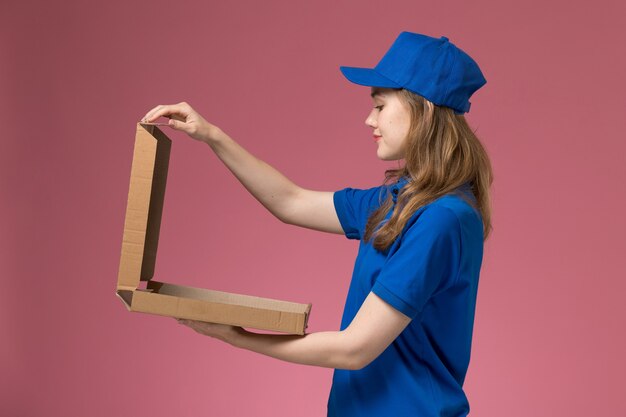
pixel 376 93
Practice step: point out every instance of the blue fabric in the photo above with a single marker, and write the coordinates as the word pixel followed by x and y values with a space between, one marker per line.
pixel 433 68
pixel 430 274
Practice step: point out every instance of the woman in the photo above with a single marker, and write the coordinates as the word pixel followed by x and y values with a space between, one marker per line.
pixel 405 338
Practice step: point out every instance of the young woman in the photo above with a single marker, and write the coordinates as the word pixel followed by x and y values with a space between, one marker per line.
pixel 405 338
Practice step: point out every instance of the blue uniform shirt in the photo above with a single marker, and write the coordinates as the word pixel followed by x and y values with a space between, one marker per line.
pixel 430 274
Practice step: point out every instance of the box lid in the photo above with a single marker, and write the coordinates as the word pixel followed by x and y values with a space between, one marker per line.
pixel 144 207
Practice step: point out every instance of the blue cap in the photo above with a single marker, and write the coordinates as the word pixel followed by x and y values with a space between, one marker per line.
pixel 433 68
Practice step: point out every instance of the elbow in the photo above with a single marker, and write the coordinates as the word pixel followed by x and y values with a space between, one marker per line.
pixel 284 215
pixel 286 211
pixel 357 358
pixel 283 219
pixel 357 362
pixel 361 362
pixel 279 212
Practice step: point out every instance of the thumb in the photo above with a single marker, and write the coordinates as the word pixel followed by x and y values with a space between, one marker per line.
pixel 181 117
pixel 178 125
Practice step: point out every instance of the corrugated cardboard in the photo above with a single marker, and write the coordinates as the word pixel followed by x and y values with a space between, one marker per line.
pixel 139 251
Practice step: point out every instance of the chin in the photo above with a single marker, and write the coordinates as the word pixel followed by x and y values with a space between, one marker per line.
pixel 385 154
pixel 389 158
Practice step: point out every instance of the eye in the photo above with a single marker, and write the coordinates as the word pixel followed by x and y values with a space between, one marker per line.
pixel 379 108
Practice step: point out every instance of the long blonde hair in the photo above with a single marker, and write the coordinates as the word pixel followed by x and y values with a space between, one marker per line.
pixel 441 154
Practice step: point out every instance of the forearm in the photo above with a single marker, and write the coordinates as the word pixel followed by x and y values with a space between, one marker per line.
pixel 271 188
pixel 266 184
pixel 325 349
pixel 376 325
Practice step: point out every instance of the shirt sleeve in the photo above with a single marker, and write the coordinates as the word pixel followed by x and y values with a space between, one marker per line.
pixel 354 206
pixel 426 261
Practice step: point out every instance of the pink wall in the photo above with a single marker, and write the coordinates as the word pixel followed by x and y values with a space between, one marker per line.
pixel 75 77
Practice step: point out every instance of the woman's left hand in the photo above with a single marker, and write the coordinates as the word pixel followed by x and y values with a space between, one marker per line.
pixel 222 332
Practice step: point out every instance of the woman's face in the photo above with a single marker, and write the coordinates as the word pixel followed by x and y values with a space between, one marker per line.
pixel 391 119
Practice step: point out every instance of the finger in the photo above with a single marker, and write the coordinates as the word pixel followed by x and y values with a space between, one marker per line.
pixel 178 125
pixel 151 112
pixel 176 117
pixel 195 327
pixel 177 111
pixel 163 110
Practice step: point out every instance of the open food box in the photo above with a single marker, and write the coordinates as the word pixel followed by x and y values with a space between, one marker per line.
pixel 139 252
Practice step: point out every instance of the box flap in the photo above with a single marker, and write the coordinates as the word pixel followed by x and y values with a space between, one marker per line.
pixel 221 307
pixel 144 207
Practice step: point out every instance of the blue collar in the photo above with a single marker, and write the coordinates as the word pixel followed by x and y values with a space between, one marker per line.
pixel 402 181
pixel 395 188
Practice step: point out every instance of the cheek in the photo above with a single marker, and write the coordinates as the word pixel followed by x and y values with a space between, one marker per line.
pixel 404 126
pixel 399 128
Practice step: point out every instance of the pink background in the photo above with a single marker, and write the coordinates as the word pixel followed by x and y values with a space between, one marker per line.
pixel 76 76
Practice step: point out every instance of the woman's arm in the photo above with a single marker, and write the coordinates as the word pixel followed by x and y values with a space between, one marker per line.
pixel 375 326
pixel 288 202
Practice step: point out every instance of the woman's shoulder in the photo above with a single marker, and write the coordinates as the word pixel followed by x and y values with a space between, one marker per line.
pixel 454 211
pixel 459 204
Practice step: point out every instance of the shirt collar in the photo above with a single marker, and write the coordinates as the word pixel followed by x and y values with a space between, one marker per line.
pixel 402 181
pixel 395 188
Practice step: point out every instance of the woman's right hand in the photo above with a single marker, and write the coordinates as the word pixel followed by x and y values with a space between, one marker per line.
pixel 186 119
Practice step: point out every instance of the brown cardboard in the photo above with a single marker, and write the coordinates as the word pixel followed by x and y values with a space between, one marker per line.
pixel 144 209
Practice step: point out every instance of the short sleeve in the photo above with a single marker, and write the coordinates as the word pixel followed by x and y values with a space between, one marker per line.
pixel 426 260
pixel 354 206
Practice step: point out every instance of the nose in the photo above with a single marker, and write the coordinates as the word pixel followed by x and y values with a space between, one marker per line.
pixel 371 119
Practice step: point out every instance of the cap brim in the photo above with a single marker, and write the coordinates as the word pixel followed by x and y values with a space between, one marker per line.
pixel 368 77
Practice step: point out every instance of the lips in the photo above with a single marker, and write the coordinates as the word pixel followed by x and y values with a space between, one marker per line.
pixel 377 138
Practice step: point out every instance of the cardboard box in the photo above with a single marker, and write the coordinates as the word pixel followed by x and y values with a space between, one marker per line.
pixel 139 252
